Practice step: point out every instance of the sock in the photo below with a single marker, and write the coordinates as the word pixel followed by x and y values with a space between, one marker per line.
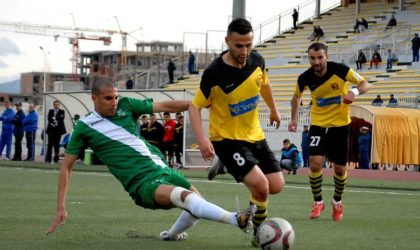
pixel 201 208
pixel 184 221
pixel 339 185
pixel 315 179
pixel 261 213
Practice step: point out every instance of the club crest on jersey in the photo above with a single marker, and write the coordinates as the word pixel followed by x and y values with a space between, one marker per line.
pixel 244 106
pixel 335 86
pixel 259 81
pixel 120 112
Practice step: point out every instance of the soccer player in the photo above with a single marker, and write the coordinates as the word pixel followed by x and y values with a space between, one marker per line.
pixel 330 119
pixel 110 131
pixel 231 87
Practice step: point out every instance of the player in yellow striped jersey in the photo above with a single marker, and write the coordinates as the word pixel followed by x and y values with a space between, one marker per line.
pixel 330 119
pixel 231 86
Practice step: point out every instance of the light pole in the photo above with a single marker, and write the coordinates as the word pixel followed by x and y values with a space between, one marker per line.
pixel 44 102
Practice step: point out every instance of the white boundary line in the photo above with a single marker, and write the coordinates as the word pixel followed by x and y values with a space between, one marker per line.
pixel 350 190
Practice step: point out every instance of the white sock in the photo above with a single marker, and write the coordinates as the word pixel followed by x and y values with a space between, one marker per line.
pixel 201 208
pixel 184 221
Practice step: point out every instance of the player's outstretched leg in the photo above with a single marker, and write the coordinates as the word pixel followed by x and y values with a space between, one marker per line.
pixel 200 208
pixel 177 232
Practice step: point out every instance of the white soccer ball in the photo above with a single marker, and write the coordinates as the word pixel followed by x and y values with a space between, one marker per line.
pixel 275 234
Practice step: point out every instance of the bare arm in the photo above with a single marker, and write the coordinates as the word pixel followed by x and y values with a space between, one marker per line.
pixel 295 102
pixel 171 106
pixel 206 148
pixel 361 88
pixel 267 95
pixel 63 186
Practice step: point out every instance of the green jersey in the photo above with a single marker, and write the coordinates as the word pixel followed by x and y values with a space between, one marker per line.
pixel 116 141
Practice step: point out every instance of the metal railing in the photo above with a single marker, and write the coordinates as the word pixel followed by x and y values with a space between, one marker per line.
pixel 277 25
pixel 206 46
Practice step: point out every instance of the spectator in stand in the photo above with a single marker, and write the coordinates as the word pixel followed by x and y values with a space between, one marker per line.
pixel 305 144
pixel 415 45
pixel 392 22
pixel 155 133
pixel 30 124
pixel 295 16
pixel 364 141
pixel 291 158
pixel 171 68
pixel 314 34
pixel 392 102
pixel 364 25
pixel 376 58
pixel 392 57
pixel 144 127
pixel 191 63
pixel 129 83
pixel 361 59
pixel 7 130
pixel 18 131
pixel 320 33
pixel 357 25
pixel 168 137
pixel 377 101
pixel 179 139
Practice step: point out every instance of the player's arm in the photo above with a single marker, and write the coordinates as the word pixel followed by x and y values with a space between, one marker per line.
pixel 63 186
pixel 171 106
pixel 361 88
pixel 206 148
pixel 295 103
pixel 267 95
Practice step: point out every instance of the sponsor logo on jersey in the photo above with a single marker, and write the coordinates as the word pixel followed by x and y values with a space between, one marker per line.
pixel 244 106
pixel 322 102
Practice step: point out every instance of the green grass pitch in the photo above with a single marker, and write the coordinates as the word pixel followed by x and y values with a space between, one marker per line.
pixel 378 214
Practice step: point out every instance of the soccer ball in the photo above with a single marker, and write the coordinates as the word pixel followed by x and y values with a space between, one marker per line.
pixel 275 234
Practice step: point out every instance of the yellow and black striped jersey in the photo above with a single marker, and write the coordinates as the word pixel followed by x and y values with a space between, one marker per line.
pixel 327 94
pixel 233 94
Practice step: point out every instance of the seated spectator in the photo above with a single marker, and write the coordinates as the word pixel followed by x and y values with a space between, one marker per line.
pixel 364 25
pixel 317 33
pixel 313 34
pixel 392 102
pixel 291 159
pixel 392 57
pixel 376 58
pixel 361 59
pixel 377 101
pixel 356 25
pixel 320 33
pixel 392 22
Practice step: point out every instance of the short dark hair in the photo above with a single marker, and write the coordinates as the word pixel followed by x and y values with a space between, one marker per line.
pixel 286 141
pixel 240 26
pixel 318 46
pixel 167 113
pixel 100 83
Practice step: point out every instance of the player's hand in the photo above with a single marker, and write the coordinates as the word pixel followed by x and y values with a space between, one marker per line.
pixel 60 219
pixel 293 125
pixel 349 97
pixel 206 149
pixel 275 118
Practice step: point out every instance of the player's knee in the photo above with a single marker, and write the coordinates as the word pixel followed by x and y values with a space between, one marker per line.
pixel 178 196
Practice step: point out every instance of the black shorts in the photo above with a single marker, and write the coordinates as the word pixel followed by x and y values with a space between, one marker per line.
pixel 330 142
pixel 240 157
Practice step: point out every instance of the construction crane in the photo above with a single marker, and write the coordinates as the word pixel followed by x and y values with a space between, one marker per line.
pixel 124 36
pixel 74 34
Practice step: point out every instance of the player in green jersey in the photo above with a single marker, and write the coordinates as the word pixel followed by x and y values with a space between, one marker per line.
pixel 110 131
